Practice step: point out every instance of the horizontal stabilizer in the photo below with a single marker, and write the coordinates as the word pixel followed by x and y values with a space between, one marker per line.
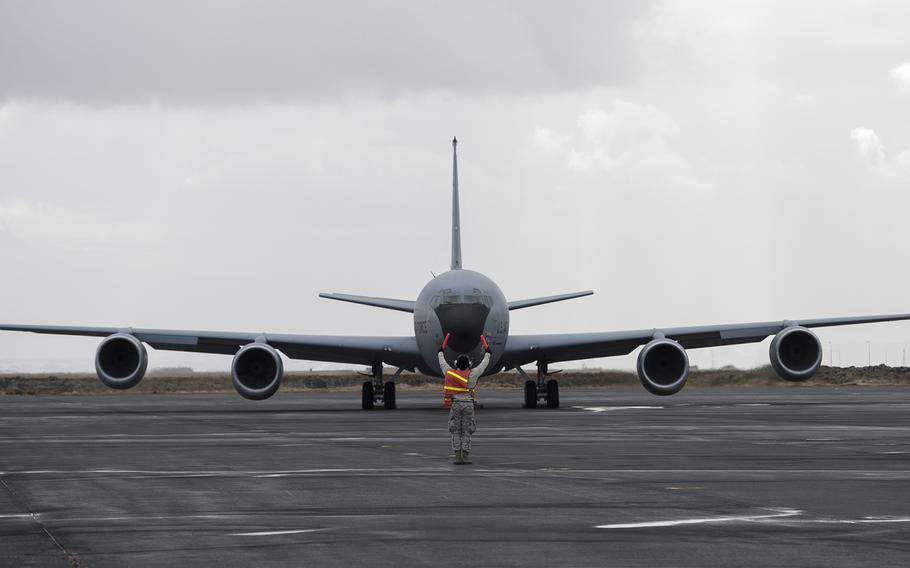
pixel 518 304
pixel 387 303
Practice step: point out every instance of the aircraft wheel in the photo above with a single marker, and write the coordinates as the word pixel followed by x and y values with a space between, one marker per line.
pixel 530 394
pixel 388 396
pixel 366 400
pixel 552 394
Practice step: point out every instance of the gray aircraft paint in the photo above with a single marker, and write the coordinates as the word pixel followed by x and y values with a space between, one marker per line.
pixel 456 210
pixel 466 304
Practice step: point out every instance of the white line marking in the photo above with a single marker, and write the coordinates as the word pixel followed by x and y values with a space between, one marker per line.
pixel 227 472
pixel 863 521
pixel 273 533
pixel 15 516
pixel 778 514
pixel 704 520
pixel 609 408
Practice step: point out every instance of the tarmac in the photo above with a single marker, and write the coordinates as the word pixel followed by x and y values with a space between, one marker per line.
pixel 710 477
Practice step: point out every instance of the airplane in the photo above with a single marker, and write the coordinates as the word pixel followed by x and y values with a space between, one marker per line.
pixel 471 310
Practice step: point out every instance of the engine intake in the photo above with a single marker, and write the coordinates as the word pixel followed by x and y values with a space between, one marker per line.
pixel 256 371
pixel 121 361
pixel 663 367
pixel 796 353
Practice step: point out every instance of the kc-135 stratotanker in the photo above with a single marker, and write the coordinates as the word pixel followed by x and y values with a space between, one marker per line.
pixel 468 307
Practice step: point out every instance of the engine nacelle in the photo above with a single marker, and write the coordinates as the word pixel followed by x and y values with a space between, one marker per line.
pixel 796 353
pixel 663 367
pixel 256 371
pixel 121 361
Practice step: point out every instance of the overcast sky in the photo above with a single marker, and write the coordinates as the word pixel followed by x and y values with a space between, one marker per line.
pixel 215 165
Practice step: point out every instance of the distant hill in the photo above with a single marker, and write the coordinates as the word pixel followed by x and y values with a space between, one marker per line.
pixel 184 380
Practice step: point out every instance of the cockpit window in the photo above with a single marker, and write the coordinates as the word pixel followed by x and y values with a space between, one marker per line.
pixel 462 299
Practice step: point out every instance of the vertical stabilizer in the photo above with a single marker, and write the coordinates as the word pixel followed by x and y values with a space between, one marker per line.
pixel 456 216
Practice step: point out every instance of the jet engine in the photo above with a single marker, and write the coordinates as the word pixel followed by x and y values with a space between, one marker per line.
pixel 121 361
pixel 256 371
pixel 663 367
pixel 796 353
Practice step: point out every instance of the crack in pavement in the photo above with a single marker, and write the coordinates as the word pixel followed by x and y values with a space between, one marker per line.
pixel 23 504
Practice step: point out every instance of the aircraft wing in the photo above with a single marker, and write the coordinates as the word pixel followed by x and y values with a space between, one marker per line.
pixel 398 351
pixel 524 349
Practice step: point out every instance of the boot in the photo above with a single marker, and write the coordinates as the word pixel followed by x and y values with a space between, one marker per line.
pixel 459 459
pixel 465 459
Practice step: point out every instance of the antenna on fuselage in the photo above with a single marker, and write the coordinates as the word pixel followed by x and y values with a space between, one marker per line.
pixel 456 217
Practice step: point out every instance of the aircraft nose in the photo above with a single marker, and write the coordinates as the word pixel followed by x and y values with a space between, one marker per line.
pixel 464 322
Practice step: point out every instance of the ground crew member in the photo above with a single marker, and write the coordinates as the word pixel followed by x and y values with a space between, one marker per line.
pixel 461 382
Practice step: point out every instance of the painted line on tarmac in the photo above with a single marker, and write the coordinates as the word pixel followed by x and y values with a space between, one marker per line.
pixel 225 472
pixel 779 517
pixel 275 533
pixel 872 520
pixel 779 513
pixel 433 470
pixel 597 409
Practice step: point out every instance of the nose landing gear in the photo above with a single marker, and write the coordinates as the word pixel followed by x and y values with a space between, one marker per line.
pixel 378 390
pixel 541 389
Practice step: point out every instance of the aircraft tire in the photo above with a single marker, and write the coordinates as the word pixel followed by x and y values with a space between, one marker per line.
pixel 366 400
pixel 388 396
pixel 530 394
pixel 552 394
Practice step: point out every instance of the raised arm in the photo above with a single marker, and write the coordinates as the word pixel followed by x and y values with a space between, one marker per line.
pixel 478 371
pixel 442 363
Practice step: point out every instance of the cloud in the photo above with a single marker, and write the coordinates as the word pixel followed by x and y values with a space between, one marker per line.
pixel 893 170
pixel 625 140
pixel 901 75
pixel 869 146
pixel 236 51
pixel 49 225
pixel 548 138
pixel 242 157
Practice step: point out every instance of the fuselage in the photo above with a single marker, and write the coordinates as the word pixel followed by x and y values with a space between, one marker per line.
pixel 464 304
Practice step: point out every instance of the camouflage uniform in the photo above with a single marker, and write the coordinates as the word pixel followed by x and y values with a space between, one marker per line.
pixel 462 424
pixel 461 415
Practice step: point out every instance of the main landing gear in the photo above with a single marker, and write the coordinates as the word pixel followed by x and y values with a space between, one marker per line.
pixel 378 390
pixel 541 389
